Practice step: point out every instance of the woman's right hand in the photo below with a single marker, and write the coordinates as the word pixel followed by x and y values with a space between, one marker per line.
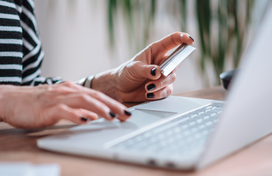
pixel 42 106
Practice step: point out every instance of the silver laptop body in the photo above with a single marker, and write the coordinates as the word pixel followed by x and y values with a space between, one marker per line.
pixel 185 133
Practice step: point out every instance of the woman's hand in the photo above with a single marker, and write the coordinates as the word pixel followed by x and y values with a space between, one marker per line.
pixel 140 79
pixel 42 106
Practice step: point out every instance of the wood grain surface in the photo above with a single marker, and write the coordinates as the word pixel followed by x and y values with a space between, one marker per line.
pixel 20 145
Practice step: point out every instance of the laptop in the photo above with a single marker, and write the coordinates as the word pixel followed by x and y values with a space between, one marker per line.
pixel 185 133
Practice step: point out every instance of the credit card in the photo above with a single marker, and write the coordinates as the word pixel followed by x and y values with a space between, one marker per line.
pixel 175 59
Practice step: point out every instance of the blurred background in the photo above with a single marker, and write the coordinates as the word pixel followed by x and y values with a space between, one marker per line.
pixel 85 37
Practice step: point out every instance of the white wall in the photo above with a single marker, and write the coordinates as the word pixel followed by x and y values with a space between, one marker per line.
pixel 75 40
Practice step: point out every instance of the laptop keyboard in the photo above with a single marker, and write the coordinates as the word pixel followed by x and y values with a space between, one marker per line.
pixel 184 134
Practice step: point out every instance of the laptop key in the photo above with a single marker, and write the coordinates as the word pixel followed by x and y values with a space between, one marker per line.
pixel 213 114
pixel 192 123
pixel 194 115
pixel 176 137
pixel 199 121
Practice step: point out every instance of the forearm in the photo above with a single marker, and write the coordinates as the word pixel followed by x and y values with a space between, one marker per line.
pixel 7 92
pixel 2 102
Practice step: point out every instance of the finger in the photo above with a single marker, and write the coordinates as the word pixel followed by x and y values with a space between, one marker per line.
pixel 140 69
pixel 62 111
pixel 171 41
pixel 87 115
pixel 140 95
pixel 154 86
pixel 162 93
pixel 84 101
pixel 115 106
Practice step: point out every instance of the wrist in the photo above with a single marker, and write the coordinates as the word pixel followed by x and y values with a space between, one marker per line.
pixel 106 83
pixel 4 98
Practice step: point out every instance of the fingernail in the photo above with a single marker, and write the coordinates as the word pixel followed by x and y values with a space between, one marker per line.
pixel 153 71
pixel 150 95
pixel 112 114
pixel 151 87
pixel 127 113
pixel 191 38
pixel 181 35
pixel 84 119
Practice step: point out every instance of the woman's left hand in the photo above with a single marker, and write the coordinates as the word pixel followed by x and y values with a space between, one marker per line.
pixel 140 78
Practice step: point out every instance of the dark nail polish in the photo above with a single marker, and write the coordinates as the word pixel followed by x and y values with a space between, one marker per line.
pixel 112 114
pixel 153 71
pixel 150 95
pixel 127 113
pixel 192 38
pixel 151 87
pixel 84 119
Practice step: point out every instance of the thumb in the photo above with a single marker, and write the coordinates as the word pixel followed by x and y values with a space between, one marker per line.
pixel 152 72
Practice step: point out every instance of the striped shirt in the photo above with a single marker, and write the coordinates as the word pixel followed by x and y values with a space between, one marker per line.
pixel 21 53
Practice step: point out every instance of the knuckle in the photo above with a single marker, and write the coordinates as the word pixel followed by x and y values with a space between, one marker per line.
pixel 83 97
pixel 173 77
pixel 74 114
pixel 132 67
pixel 166 92
pixel 162 45
pixel 135 64
pixel 60 107
pixel 174 39
pixel 164 82
pixel 92 114
pixel 95 116
pixel 69 84
pixel 175 34
pixel 49 88
pixel 169 91
pixel 97 94
pixel 184 33
pixel 154 45
pixel 62 89
pixel 162 94
pixel 161 84
pixel 130 64
pixel 169 80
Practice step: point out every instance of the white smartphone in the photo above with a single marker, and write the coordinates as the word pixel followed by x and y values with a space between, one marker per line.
pixel 176 58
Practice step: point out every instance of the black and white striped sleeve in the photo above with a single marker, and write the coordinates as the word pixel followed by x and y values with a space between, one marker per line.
pixel 21 52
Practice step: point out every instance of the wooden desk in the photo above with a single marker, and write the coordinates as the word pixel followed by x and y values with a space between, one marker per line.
pixel 20 145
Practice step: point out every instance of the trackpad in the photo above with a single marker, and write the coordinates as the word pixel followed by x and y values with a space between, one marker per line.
pixel 174 104
pixel 142 118
pixel 150 112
